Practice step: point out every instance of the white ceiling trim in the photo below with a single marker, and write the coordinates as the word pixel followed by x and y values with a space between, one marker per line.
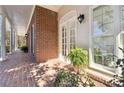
pixel 52 7
pixel 32 12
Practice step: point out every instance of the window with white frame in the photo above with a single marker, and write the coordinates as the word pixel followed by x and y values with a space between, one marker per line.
pixel 122 28
pixel 103 36
pixel 122 18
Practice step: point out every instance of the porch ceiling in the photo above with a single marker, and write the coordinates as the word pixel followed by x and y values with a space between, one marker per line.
pixel 19 15
pixel 52 7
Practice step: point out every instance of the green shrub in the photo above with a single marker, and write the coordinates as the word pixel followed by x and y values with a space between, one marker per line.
pixel 7 49
pixel 66 79
pixel 118 79
pixel 78 57
pixel 24 49
pixel 69 79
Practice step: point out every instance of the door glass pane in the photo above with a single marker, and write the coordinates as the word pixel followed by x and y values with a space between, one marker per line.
pixel 68 36
pixel 72 34
pixel 64 41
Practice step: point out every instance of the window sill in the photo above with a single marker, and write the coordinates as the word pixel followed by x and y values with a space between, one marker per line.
pixel 99 76
pixel 102 69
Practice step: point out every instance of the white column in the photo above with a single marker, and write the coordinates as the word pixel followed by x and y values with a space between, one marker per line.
pixel 11 42
pixel 3 51
pixel 15 41
pixel 0 36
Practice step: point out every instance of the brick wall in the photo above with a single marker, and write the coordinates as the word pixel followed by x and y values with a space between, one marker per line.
pixel 46 34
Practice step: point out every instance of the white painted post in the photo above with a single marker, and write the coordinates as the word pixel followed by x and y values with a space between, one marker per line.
pixel 11 35
pixel 3 50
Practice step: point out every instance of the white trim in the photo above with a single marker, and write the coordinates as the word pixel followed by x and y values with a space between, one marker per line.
pixel 67 16
pixel 30 17
pixel 71 15
pixel 119 35
pixel 92 64
pixel 3 38
pixel 90 36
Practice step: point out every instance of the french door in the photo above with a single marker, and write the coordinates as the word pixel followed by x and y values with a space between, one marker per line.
pixel 68 30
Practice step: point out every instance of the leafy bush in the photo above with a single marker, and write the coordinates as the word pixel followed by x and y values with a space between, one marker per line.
pixel 69 79
pixel 7 49
pixel 118 80
pixel 78 57
pixel 24 49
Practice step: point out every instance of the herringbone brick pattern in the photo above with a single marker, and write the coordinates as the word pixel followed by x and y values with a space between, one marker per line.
pixel 15 71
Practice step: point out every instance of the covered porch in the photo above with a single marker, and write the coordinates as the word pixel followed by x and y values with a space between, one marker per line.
pixel 50 33
pixel 19 71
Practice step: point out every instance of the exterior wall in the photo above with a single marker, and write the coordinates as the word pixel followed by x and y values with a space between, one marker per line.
pixel 46 34
pixel 82 35
pixel 83 32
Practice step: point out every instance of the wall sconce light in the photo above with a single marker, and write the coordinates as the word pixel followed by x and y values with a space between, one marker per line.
pixel 26 35
pixel 80 18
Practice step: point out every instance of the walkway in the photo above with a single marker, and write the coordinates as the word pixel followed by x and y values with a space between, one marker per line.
pixel 15 71
pixel 19 71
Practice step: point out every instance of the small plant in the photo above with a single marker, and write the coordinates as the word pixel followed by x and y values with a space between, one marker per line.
pixel 24 49
pixel 7 49
pixel 66 79
pixel 78 58
pixel 71 79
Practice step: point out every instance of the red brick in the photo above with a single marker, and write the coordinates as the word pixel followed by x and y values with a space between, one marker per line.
pixel 46 34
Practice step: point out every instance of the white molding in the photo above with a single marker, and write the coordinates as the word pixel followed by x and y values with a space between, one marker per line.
pixel 32 12
pixel 68 16
pixel 3 37
pixel 92 64
pixel 71 15
pixel 90 36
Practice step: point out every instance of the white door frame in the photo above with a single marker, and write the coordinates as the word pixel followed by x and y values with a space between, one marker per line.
pixel 3 53
pixel 70 16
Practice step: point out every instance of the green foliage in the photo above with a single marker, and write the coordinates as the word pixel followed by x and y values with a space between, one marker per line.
pixel 69 79
pixel 7 49
pixel 118 80
pixel 66 79
pixel 78 57
pixel 24 49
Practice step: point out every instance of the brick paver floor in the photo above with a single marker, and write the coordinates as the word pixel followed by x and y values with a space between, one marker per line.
pixel 19 71
pixel 15 71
